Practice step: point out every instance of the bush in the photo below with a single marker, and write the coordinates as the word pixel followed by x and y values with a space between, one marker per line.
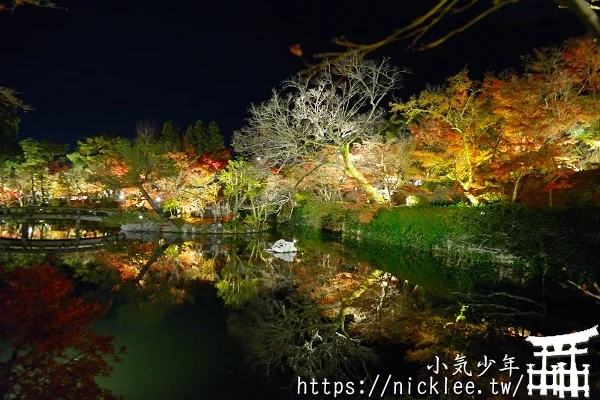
pixel 413 201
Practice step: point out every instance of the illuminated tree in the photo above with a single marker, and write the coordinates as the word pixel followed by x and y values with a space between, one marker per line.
pixel 39 159
pixel 453 131
pixel 193 185
pixel 387 163
pixel 260 191
pixel 581 60
pixel 53 352
pixel 118 163
pixel 145 161
pixel 334 109
pixel 542 112
pixel 77 179
pixel 324 181
pixel 95 161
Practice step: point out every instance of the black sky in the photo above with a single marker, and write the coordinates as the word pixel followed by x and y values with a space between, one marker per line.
pixel 103 65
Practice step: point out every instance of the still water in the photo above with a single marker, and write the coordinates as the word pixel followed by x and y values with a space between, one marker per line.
pixel 214 317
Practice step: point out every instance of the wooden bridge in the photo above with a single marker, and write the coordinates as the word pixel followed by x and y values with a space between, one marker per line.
pixel 59 213
pixel 25 215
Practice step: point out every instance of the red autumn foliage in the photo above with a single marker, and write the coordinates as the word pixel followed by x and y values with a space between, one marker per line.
pixel 55 167
pixel 214 161
pixel 54 353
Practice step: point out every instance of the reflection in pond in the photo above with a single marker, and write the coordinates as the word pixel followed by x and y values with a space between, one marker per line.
pixel 39 230
pixel 202 318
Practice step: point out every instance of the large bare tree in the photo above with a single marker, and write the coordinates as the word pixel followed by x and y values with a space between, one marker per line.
pixel 331 110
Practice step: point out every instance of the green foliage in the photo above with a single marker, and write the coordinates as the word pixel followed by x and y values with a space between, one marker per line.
pixel 551 241
pixel 204 139
pixel 170 136
pixel 241 182
pixel 237 292
pixel 34 172
pixel 98 147
pixel 170 205
pixel 40 153
pixel 145 159
pixel 421 228
pixel 557 242
pixel 19 260
pixel 414 201
pixel 129 217
pixel 239 175
pixel 214 138
pixel 324 215
pixel 9 131
pixel 195 136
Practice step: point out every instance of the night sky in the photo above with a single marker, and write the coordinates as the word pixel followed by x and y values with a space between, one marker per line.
pixel 104 65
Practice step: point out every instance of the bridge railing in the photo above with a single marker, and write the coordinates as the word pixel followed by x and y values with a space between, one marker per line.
pixel 29 210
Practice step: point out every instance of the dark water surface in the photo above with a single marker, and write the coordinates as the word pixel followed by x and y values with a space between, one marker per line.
pixel 182 353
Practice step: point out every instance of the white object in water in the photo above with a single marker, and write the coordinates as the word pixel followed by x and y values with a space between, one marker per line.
pixel 289 257
pixel 282 246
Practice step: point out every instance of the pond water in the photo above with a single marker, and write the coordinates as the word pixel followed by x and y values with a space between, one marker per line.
pixel 51 230
pixel 215 317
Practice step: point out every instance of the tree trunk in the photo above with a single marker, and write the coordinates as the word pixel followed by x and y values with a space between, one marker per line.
pixel 43 193
pixel 516 188
pixel 156 254
pixel 33 190
pixel 474 201
pixel 156 208
pixel 465 187
pixel 347 302
pixel 2 166
pixel 352 172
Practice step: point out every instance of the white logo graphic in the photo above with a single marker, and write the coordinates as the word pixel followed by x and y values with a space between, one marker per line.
pixel 559 379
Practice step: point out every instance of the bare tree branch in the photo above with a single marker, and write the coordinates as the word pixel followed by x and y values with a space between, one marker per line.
pixel 11 5
pixel 330 110
pixel 444 10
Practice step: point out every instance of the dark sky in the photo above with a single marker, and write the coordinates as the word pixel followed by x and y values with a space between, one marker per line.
pixel 104 65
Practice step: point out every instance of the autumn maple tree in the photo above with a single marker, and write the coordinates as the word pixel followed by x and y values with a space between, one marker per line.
pixel 539 111
pixel 452 129
pixel 53 351
pixel 193 184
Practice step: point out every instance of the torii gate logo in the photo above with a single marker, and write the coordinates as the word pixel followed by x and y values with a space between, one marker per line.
pixel 558 379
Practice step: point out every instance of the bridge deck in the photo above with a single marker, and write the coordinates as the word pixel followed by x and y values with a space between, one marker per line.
pixel 53 213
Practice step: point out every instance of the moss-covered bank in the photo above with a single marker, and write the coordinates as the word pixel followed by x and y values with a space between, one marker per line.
pixel 557 241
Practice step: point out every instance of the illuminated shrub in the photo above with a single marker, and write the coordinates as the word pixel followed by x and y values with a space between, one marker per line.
pixel 412 201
